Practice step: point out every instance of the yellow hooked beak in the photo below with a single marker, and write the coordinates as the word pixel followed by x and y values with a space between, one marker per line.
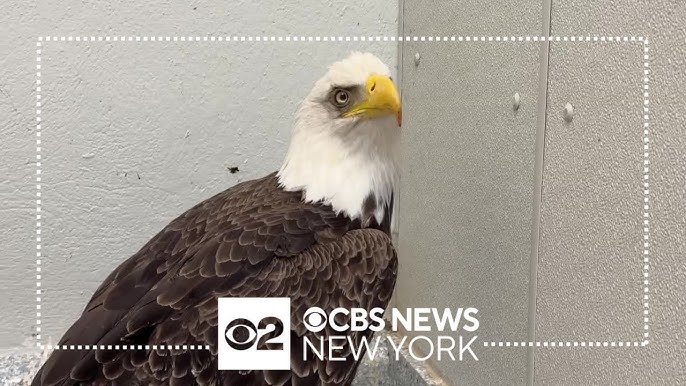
pixel 382 99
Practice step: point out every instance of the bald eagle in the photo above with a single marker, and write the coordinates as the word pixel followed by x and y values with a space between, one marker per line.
pixel 317 231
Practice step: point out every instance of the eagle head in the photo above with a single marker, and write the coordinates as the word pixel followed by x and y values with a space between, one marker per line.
pixel 345 142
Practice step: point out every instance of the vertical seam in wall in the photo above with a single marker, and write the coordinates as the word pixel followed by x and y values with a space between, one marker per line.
pixel 395 219
pixel 541 114
pixel 401 32
pixel 395 222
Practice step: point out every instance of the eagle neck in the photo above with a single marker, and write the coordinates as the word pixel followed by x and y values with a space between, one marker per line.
pixel 346 172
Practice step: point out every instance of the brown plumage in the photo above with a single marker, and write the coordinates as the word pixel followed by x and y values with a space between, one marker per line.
pixel 252 240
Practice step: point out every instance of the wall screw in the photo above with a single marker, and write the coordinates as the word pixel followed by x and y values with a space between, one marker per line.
pixel 417 58
pixel 568 112
pixel 515 101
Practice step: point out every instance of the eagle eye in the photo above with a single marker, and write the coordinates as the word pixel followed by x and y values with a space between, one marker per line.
pixel 340 97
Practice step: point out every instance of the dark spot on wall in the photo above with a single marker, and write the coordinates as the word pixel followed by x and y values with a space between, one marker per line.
pixel 233 169
pixel 194 8
pixel 138 175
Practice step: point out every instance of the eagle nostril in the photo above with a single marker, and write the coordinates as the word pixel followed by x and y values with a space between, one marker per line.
pixel 373 87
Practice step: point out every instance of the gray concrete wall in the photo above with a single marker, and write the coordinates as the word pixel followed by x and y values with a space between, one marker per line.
pixel 133 133
pixel 539 221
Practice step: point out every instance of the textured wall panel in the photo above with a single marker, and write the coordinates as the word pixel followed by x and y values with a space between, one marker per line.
pixel 467 193
pixel 590 252
pixel 472 17
pixel 467 190
pixel 593 289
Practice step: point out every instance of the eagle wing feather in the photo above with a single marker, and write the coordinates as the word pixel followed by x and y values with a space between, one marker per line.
pixel 252 240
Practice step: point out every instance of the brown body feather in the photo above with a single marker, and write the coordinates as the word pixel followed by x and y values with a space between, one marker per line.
pixel 252 240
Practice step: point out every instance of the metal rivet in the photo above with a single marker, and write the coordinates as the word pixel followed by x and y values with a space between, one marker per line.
pixel 569 112
pixel 515 101
pixel 417 58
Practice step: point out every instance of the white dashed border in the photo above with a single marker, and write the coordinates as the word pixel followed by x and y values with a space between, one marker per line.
pixel 646 192
pixel 39 47
pixel 646 228
pixel 127 347
pixel 359 38
pixel 236 38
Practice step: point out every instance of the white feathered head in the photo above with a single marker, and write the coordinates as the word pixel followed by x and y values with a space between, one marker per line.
pixel 346 137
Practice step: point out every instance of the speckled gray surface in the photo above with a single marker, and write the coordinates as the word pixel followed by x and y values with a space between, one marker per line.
pixel 18 366
pixel 590 248
pixel 385 370
pixel 589 266
pixel 598 294
pixel 465 228
pixel 465 200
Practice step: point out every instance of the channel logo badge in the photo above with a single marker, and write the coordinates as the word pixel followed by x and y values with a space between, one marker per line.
pixel 254 333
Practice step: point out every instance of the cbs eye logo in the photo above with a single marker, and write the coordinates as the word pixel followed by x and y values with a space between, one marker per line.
pixel 315 319
pixel 254 333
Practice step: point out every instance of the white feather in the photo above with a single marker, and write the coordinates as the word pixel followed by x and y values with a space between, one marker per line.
pixel 341 161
